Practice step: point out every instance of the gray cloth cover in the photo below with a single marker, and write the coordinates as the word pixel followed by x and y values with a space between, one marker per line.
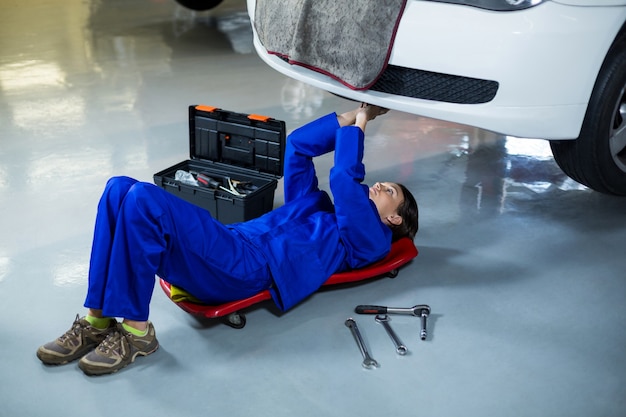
pixel 349 40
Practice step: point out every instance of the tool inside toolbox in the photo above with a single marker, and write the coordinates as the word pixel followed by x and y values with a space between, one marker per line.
pixel 215 181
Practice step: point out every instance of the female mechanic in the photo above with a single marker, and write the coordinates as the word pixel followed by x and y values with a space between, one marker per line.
pixel 142 231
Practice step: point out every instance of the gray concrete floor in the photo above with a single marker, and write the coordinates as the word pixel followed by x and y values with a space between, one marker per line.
pixel 523 269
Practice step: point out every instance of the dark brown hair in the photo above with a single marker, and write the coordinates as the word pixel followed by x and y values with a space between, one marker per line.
pixel 409 212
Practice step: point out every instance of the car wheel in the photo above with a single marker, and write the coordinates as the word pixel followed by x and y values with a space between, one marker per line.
pixel 199 5
pixel 597 158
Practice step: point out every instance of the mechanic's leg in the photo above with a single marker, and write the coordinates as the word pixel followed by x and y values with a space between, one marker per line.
pixel 106 219
pixel 157 232
pixel 88 332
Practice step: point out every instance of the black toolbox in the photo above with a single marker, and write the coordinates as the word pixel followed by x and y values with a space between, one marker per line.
pixel 236 161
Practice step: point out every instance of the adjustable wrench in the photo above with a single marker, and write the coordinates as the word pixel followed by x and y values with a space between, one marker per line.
pixel 384 320
pixel 368 361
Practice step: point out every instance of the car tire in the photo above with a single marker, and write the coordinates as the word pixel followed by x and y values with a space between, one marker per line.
pixel 199 5
pixel 597 158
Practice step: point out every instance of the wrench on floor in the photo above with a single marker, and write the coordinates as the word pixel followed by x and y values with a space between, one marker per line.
pixel 368 361
pixel 412 311
pixel 421 310
pixel 384 320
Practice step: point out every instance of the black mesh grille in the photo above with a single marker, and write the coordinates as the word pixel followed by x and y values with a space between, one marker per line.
pixel 435 86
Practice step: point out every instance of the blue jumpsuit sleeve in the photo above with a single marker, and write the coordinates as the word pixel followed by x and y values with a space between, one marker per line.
pixel 313 139
pixel 364 235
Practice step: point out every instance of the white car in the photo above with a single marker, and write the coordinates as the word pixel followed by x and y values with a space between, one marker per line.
pixel 547 69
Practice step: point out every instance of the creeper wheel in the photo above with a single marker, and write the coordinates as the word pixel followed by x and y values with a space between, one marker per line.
pixel 236 320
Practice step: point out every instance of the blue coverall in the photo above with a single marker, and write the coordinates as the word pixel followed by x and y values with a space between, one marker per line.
pixel 142 231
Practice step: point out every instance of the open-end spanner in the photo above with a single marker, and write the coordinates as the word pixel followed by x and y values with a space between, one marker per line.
pixel 384 320
pixel 368 361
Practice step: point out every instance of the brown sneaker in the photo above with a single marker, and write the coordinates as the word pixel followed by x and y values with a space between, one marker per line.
pixel 74 343
pixel 118 350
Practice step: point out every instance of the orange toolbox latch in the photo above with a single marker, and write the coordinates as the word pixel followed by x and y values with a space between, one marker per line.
pixel 259 118
pixel 209 109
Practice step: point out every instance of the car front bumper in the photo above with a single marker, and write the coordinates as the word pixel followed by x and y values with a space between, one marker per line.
pixel 545 60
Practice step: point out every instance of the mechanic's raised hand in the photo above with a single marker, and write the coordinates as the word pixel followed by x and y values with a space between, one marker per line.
pixel 371 111
pixel 366 113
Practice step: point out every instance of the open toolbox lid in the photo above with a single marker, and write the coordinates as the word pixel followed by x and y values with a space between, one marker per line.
pixel 248 141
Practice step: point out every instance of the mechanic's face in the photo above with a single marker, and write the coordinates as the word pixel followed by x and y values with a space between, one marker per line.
pixel 387 196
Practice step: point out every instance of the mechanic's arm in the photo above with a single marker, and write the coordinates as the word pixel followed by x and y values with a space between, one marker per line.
pixel 311 140
pixel 365 236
